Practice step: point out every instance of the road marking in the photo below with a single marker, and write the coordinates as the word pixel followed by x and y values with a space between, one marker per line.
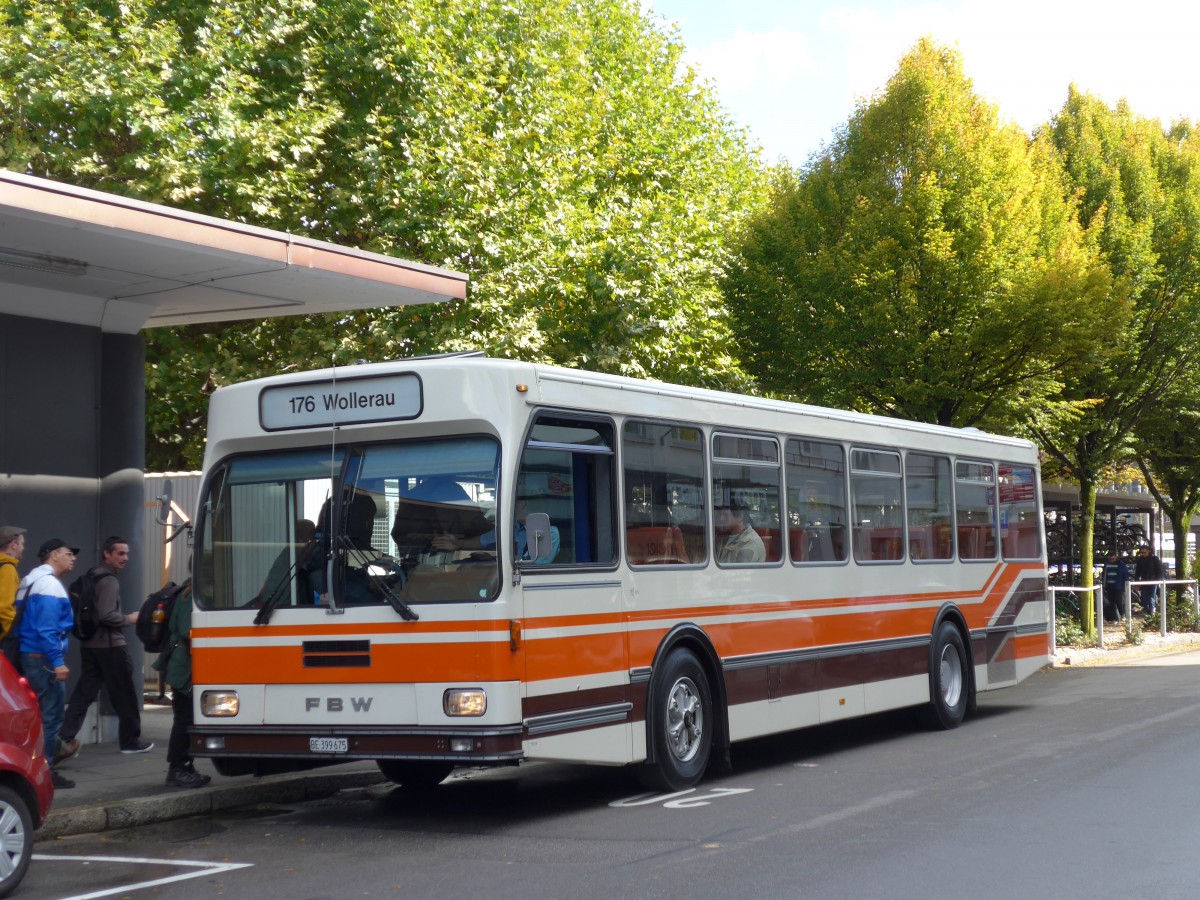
pixel 705 799
pixel 670 802
pixel 203 868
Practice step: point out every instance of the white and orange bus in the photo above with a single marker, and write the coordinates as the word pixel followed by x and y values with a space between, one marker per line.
pixel 461 561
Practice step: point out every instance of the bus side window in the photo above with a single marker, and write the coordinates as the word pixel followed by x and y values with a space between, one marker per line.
pixel 1020 526
pixel 815 472
pixel 745 492
pixel 567 472
pixel 928 494
pixel 665 505
pixel 975 510
pixel 877 492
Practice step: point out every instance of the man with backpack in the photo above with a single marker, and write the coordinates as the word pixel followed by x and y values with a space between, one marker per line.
pixel 175 662
pixel 105 661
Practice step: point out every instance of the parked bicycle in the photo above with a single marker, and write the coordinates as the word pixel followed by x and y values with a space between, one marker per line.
pixel 1066 603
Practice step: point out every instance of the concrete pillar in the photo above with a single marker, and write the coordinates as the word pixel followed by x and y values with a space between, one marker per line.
pixel 120 458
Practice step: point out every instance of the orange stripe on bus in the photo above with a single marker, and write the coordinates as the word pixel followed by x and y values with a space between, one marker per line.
pixel 995 588
pixel 579 655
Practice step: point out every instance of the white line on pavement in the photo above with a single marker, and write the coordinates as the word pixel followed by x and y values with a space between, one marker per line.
pixel 202 869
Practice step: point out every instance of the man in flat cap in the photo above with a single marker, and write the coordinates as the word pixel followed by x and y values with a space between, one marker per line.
pixel 45 624
pixel 12 545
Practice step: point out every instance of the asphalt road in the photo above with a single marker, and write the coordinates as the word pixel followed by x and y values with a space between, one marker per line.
pixel 1077 783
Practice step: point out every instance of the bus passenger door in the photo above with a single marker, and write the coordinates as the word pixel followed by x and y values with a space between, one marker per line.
pixel 576 703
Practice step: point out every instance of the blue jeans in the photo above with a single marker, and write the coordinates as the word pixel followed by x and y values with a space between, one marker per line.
pixel 52 697
pixel 1149 597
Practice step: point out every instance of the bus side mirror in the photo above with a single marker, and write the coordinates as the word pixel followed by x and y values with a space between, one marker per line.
pixel 164 503
pixel 537 535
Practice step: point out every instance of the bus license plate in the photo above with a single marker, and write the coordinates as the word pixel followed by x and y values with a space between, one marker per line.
pixel 328 745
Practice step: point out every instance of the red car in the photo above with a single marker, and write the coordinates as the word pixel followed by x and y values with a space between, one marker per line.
pixel 25 788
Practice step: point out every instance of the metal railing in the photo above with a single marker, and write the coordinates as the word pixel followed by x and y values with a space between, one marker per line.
pixel 1162 601
pixel 1098 604
pixel 1055 590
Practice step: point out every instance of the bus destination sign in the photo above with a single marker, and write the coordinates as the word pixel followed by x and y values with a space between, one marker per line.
pixel 315 404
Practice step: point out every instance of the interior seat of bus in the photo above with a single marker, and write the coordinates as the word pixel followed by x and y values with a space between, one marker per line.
pixel 656 546
pixel 772 545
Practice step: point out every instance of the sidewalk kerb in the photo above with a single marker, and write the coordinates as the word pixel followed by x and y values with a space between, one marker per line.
pixel 130 813
pixel 1151 646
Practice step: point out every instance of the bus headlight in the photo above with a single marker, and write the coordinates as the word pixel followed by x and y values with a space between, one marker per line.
pixel 219 703
pixel 464 702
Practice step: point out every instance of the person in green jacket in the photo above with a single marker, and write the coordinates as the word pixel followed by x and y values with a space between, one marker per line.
pixel 176 665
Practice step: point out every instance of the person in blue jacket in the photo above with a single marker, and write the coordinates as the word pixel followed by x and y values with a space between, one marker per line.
pixel 1116 573
pixel 487 540
pixel 42 635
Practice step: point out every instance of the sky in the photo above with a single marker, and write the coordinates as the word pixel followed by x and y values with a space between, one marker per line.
pixel 790 71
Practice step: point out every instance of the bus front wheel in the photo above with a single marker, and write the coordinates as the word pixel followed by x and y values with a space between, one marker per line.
pixel 416 777
pixel 680 719
pixel 949 680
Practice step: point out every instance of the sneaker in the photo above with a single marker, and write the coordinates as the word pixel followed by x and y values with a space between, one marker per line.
pixel 66 750
pixel 59 782
pixel 139 746
pixel 184 778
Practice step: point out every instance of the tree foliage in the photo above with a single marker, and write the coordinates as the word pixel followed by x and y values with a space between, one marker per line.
pixel 1167 444
pixel 927 266
pixel 1138 191
pixel 552 149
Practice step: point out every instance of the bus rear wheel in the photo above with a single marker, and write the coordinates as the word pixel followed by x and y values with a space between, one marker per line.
pixel 680 720
pixel 949 680
pixel 417 777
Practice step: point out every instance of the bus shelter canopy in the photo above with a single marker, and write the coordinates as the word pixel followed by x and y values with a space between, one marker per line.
pixel 76 255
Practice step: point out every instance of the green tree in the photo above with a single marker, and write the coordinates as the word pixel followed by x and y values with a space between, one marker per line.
pixel 1138 192
pixel 552 149
pixel 1167 436
pixel 926 266
pixel 1167 443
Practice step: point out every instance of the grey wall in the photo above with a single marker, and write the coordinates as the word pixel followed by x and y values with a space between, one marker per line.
pixel 72 441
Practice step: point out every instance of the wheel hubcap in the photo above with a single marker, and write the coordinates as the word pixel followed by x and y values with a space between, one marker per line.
pixel 12 840
pixel 951 676
pixel 685 720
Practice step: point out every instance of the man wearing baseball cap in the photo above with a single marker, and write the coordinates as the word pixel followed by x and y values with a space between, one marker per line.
pixel 12 545
pixel 45 624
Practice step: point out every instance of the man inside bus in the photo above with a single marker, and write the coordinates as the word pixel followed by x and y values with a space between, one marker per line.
pixel 739 543
pixel 487 540
pixel 437 506
pixel 357 586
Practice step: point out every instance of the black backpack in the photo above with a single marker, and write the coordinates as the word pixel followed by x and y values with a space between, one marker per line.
pixel 154 618
pixel 82 592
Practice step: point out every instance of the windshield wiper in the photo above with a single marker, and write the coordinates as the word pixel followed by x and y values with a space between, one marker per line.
pixel 405 611
pixel 303 562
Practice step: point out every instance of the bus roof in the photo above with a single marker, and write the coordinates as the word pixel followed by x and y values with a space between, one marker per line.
pixel 568 388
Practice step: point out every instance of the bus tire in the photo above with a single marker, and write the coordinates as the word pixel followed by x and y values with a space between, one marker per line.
pixel 417 777
pixel 949 680
pixel 231 768
pixel 680 718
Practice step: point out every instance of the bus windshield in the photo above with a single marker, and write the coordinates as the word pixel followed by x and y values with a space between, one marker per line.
pixel 354 527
